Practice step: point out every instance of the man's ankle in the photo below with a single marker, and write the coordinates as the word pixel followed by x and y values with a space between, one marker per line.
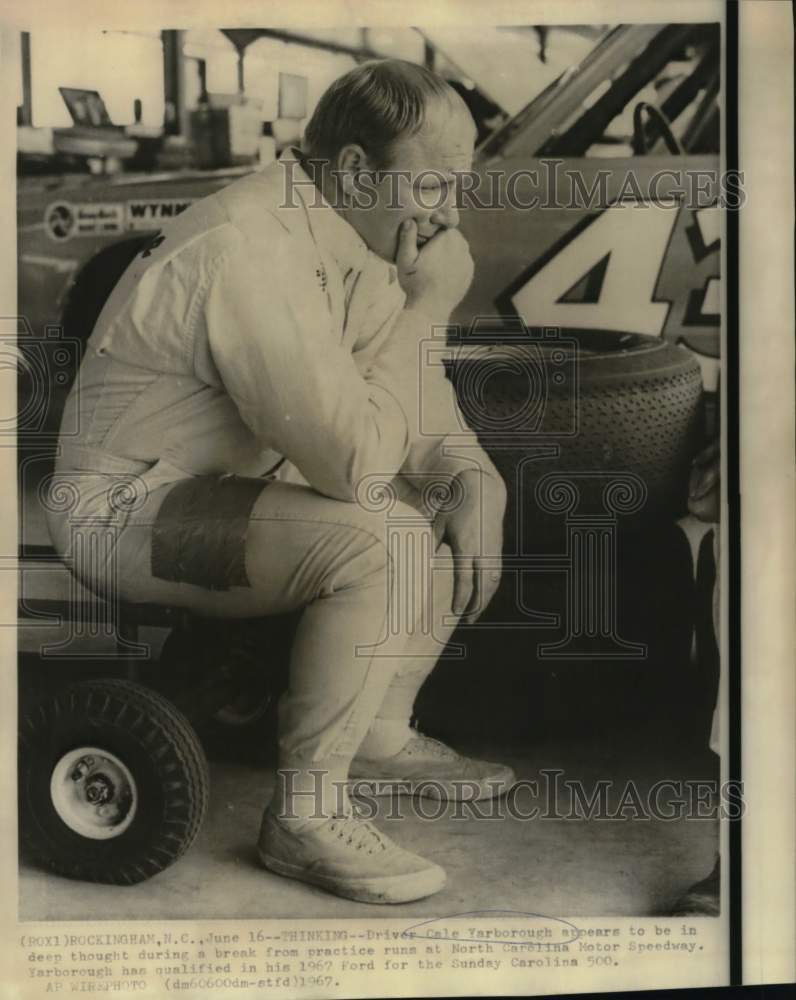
pixel 385 738
pixel 311 789
pixel 301 807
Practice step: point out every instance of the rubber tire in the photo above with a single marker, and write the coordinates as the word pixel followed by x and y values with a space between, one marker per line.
pixel 157 745
pixel 639 410
pixel 84 303
pixel 94 284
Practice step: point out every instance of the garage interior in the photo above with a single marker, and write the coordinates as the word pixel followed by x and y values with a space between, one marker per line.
pixel 234 99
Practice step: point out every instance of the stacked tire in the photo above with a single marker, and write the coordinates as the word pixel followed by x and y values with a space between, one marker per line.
pixel 583 408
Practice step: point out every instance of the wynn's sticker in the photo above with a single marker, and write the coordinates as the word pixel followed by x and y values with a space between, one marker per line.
pixel 152 213
pixel 63 219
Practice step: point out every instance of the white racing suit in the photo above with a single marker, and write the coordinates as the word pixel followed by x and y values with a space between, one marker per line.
pixel 249 426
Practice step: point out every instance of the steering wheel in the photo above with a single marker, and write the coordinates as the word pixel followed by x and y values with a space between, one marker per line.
pixel 662 126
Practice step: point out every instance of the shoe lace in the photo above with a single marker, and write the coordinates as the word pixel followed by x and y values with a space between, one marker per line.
pixel 429 747
pixel 357 832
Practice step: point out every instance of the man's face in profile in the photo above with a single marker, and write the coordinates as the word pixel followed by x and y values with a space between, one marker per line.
pixel 421 181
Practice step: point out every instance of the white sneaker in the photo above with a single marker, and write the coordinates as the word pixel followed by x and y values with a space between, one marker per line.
pixel 350 857
pixel 427 767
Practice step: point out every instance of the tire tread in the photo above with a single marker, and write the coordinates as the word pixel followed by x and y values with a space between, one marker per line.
pixel 106 702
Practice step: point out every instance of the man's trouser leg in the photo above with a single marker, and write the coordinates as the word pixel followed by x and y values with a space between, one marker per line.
pixel 298 549
pixel 391 726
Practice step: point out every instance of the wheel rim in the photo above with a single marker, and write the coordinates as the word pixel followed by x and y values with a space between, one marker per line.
pixel 246 709
pixel 94 793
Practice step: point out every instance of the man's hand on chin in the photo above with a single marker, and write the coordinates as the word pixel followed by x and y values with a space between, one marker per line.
pixel 474 531
pixel 436 275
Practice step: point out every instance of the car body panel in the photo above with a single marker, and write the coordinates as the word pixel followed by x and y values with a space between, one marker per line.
pixel 51 256
pixel 662 270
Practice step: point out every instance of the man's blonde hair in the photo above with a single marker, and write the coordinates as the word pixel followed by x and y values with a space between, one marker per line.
pixel 374 105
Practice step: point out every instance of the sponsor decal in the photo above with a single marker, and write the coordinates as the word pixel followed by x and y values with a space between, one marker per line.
pixel 64 220
pixel 150 214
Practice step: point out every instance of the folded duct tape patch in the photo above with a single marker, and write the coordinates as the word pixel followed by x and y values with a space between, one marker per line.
pixel 199 534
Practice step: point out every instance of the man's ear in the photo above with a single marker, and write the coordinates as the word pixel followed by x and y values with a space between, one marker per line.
pixel 352 160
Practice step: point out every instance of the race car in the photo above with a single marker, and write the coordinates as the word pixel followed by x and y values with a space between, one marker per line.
pixel 599 204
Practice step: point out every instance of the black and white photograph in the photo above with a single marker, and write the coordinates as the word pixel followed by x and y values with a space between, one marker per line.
pixel 376 397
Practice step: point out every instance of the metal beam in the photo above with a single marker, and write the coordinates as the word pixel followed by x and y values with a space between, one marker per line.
pixel 429 54
pixel 241 73
pixel 241 38
pixel 176 118
pixel 430 45
pixel 26 108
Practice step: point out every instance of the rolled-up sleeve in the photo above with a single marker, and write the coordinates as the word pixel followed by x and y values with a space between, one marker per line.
pixel 271 339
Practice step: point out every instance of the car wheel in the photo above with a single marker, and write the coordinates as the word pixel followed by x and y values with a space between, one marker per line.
pixel 609 404
pixel 94 285
pixel 113 782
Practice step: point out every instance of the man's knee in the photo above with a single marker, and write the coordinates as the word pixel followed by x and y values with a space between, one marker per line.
pixel 407 555
pixel 371 544
pixel 335 545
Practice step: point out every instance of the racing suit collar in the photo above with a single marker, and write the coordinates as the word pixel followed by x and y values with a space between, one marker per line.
pixel 329 229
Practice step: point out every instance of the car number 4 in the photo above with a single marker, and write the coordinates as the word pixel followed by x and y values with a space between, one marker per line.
pixel 606 274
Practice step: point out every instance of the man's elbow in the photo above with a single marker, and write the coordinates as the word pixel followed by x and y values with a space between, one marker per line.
pixel 353 480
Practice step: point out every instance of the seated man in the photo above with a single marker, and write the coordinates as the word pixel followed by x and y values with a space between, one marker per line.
pixel 251 385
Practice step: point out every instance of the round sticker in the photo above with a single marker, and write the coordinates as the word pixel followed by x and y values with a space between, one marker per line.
pixel 59 220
